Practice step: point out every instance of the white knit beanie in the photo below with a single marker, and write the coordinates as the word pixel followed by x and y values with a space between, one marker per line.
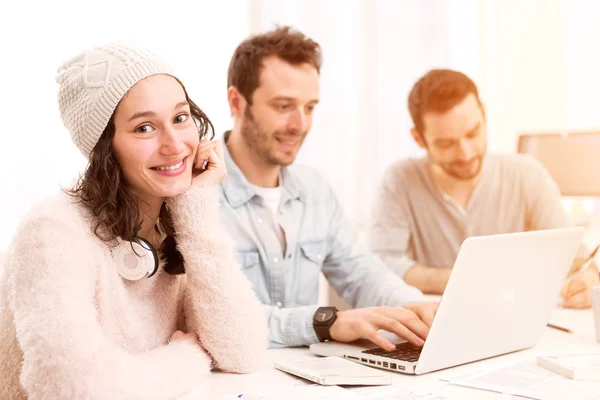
pixel 92 84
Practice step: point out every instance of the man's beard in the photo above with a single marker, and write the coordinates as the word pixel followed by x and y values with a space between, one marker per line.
pixel 470 175
pixel 258 141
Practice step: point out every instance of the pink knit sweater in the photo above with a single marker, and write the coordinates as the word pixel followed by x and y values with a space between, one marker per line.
pixel 72 328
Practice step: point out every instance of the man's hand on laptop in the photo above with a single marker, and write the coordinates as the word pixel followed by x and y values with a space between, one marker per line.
pixel 411 322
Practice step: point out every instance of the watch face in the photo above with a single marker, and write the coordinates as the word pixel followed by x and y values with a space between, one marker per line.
pixel 325 314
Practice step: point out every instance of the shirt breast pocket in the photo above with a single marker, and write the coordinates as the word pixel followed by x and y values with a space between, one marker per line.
pixel 314 251
pixel 250 264
pixel 312 257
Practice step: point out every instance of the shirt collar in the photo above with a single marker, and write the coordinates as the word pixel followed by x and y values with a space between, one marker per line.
pixel 239 191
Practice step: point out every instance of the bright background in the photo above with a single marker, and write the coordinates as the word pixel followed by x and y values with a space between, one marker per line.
pixel 536 63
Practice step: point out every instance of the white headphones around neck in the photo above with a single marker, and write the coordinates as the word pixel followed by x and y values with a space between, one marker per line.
pixel 135 260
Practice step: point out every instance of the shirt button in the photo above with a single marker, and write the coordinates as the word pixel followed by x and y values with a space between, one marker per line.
pixel 275 260
pixel 260 220
pixel 279 304
pixel 319 257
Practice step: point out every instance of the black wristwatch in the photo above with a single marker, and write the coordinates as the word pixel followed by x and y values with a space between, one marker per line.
pixel 322 320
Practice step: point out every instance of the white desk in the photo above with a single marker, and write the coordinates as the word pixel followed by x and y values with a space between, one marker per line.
pixel 553 341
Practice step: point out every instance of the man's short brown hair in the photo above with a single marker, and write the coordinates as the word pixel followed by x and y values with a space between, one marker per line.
pixel 438 91
pixel 285 43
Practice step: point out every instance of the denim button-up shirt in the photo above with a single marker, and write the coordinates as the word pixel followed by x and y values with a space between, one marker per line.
pixel 317 238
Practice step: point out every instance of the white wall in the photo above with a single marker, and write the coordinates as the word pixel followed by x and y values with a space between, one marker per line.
pixel 583 64
pixel 543 70
pixel 526 72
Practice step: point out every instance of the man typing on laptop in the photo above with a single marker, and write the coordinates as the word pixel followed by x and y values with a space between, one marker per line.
pixel 285 219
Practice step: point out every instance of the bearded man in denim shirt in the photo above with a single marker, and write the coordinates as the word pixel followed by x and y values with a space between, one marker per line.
pixel 286 220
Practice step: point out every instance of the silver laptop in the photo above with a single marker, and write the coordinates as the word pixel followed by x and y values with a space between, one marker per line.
pixel 498 300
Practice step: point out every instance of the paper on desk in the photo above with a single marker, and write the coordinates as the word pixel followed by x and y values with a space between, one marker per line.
pixel 318 392
pixel 303 392
pixel 532 381
pixel 394 393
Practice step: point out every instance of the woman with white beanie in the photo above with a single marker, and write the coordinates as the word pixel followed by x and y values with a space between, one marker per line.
pixel 126 286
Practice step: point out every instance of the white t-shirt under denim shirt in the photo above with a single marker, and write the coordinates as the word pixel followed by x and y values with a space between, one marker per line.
pixel 272 198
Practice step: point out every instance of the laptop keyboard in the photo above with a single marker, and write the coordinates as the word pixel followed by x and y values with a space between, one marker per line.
pixel 404 351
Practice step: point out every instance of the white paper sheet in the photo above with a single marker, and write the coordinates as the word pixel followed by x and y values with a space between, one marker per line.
pixel 394 393
pixel 303 392
pixel 532 381
pixel 317 392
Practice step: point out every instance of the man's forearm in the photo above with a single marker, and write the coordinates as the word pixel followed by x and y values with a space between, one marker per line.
pixel 430 280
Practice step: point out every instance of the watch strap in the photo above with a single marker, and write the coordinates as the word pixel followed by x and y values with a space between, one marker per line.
pixel 322 328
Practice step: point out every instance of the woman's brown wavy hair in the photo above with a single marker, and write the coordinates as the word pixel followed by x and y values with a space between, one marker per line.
pixel 111 201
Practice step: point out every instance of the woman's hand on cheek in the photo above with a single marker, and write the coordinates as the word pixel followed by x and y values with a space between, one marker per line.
pixel 210 156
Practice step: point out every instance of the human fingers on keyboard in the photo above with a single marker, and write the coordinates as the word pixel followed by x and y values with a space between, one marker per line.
pixel 394 326
pixel 407 318
pixel 355 324
pixel 370 332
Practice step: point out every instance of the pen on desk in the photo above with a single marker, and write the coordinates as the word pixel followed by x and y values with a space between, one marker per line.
pixel 588 261
pixel 560 328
